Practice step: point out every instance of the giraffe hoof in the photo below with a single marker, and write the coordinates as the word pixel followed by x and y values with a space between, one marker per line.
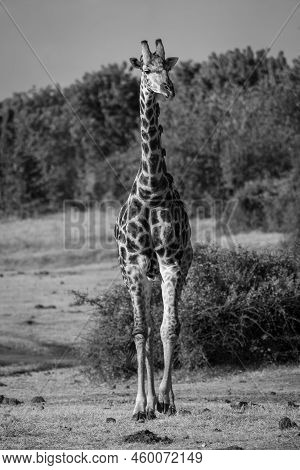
pixel 166 408
pixel 139 417
pixel 162 407
pixel 172 411
pixel 150 414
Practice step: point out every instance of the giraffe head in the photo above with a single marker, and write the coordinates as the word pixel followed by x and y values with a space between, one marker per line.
pixel 155 69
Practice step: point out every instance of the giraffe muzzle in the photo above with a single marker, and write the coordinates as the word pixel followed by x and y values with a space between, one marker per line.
pixel 167 90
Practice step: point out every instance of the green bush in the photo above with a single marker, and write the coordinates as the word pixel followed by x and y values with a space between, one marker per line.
pixel 294 224
pixel 240 306
pixel 267 204
pixel 237 307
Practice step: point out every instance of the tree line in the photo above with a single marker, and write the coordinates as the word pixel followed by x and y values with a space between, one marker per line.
pixel 232 130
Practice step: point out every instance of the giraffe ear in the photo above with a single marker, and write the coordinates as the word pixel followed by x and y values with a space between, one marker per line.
pixel 170 62
pixel 135 63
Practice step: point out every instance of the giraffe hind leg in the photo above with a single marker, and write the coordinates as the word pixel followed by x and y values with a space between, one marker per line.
pixel 140 295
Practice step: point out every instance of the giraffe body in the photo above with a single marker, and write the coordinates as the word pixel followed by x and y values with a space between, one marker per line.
pixel 153 237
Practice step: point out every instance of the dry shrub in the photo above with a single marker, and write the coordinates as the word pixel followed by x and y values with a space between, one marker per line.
pixel 241 306
pixel 237 306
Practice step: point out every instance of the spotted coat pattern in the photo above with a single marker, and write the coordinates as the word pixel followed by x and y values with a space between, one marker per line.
pixel 153 238
pixel 153 222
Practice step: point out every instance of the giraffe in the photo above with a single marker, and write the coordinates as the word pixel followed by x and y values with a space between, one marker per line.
pixel 153 237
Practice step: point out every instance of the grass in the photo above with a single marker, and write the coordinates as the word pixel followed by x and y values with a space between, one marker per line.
pixel 205 231
pixel 44 241
pixel 75 412
pixel 36 243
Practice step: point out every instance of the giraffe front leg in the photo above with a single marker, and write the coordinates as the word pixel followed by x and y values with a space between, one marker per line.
pixel 151 396
pixel 139 412
pixel 137 286
pixel 169 334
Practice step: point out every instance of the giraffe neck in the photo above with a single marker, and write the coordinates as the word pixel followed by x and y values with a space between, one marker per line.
pixel 153 176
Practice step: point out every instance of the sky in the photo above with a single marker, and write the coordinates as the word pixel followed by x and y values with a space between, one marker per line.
pixel 72 37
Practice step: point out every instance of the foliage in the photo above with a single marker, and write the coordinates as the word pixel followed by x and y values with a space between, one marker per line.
pixel 241 306
pixel 293 241
pixel 237 306
pixel 64 137
pixel 266 204
pixel 235 120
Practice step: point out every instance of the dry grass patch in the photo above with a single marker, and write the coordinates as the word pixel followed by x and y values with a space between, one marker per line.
pixel 75 412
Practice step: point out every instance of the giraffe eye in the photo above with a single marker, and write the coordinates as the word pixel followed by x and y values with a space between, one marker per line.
pixel 147 72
